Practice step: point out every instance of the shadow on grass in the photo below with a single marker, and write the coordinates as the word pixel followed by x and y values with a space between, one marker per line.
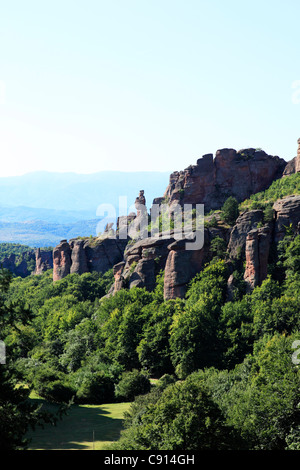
pixel 80 429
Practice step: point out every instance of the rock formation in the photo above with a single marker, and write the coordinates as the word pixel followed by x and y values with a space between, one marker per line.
pixel 142 262
pixel 43 261
pixel 136 260
pixel 181 266
pixel 245 222
pixel 61 260
pixel 17 265
pixel 212 180
pixel 86 255
pixel 144 259
pixel 78 257
pixel 257 253
pixel 140 202
pixel 287 216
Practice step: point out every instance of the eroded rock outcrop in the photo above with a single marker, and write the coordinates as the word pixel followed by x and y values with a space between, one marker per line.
pixel 61 260
pixel 287 216
pixel 246 222
pixel 43 261
pixel 86 255
pixel 212 180
pixel 257 253
pixel 182 265
pixel 136 260
pixel 142 262
pixel 144 259
pixel 17 265
pixel 259 240
pixel 78 257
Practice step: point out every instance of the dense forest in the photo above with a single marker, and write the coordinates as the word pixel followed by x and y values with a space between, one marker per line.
pixel 226 370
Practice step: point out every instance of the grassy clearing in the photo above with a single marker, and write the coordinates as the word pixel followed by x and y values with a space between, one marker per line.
pixel 79 427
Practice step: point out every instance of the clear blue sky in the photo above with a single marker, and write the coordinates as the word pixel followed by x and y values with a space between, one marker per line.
pixel 96 85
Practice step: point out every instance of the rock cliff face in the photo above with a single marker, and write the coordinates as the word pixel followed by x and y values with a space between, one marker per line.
pixel 212 180
pixel 144 259
pixel 81 256
pixel 142 262
pixel 257 253
pixel 287 215
pixel 43 261
pixel 182 265
pixel 61 260
pixel 249 239
pixel 244 224
pixel 136 261
pixel 246 237
pixel 16 266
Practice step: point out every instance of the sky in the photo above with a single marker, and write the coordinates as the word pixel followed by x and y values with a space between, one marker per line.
pixel 145 85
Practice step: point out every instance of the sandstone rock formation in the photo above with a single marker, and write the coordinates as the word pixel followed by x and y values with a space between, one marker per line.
pixel 258 240
pixel 78 257
pixel 15 265
pixel 140 201
pixel 61 260
pixel 142 262
pixel 245 222
pixel 181 266
pixel 43 261
pixel 86 255
pixel 212 180
pixel 136 260
pixel 123 224
pixel 287 215
pixel 257 253
pixel 144 259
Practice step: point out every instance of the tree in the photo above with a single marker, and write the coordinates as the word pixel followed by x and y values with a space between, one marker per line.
pixel 183 416
pixel 260 397
pixel 154 348
pixel 230 210
pixel 193 339
pixel 17 414
pixel 132 383
pixel 218 247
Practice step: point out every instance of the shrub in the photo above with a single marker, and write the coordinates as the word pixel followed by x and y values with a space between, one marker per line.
pixel 230 210
pixel 96 388
pixel 132 383
pixel 56 391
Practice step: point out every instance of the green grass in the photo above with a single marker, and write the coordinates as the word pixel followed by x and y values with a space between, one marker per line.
pixel 76 430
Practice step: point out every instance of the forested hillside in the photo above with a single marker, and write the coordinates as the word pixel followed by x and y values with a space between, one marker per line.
pixel 213 365
pixel 225 368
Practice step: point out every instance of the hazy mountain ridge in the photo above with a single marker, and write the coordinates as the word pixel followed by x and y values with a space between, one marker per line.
pixel 79 192
pixel 41 208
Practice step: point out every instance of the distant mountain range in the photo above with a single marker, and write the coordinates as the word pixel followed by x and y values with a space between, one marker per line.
pixel 41 208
